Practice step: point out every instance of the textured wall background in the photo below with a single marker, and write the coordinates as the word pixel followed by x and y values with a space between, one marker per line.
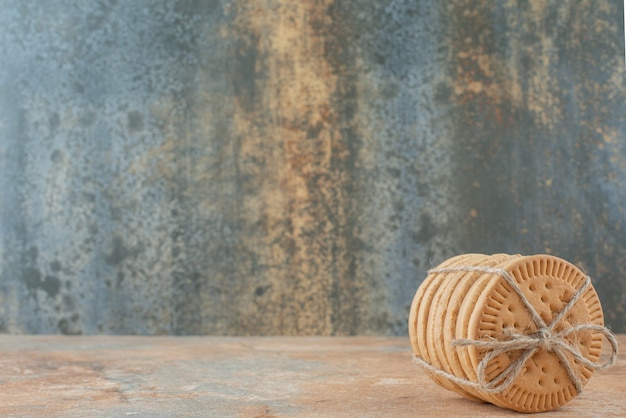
pixel 294 167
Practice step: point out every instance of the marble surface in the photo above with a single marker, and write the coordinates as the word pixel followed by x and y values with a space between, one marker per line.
pixel 281 167
pixel 42 376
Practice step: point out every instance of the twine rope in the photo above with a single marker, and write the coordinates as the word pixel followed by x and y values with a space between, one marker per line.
pixel 542 339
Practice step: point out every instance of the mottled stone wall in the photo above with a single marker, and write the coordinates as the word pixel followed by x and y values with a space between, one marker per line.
pixel 294 167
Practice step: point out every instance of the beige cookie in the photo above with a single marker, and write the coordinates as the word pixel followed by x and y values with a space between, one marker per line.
pixel 468 303
pixel 414 317
pixel 548 283
pixel 420 308
pixel 454 293
pixel 438 310
pixel 465 312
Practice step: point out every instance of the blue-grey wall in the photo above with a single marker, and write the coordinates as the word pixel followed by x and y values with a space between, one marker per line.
pixel 294 167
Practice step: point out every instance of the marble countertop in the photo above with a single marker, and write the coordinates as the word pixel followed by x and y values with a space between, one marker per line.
pixel 245 376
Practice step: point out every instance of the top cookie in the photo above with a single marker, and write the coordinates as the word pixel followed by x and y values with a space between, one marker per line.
pixel 548 283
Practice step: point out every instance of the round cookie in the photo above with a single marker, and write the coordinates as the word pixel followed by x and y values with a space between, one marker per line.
pixel 500 362
pixel 456 298
pixel 419 317
pixel 423 297
pixel 437 306
pixel 548 283
pixel 454 294
pixel 438 310
pixel 417 301
pixel 461 330
pixel 463 318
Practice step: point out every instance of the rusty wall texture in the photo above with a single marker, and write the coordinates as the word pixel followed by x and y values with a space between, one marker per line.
pixel 295 167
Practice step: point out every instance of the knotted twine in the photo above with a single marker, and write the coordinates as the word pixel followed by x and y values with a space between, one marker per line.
pixel 542 339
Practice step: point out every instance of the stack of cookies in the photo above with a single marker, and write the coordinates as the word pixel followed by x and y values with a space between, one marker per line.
pixel 521 332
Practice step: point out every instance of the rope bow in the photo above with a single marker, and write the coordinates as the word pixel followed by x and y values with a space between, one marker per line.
pixel 543 339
